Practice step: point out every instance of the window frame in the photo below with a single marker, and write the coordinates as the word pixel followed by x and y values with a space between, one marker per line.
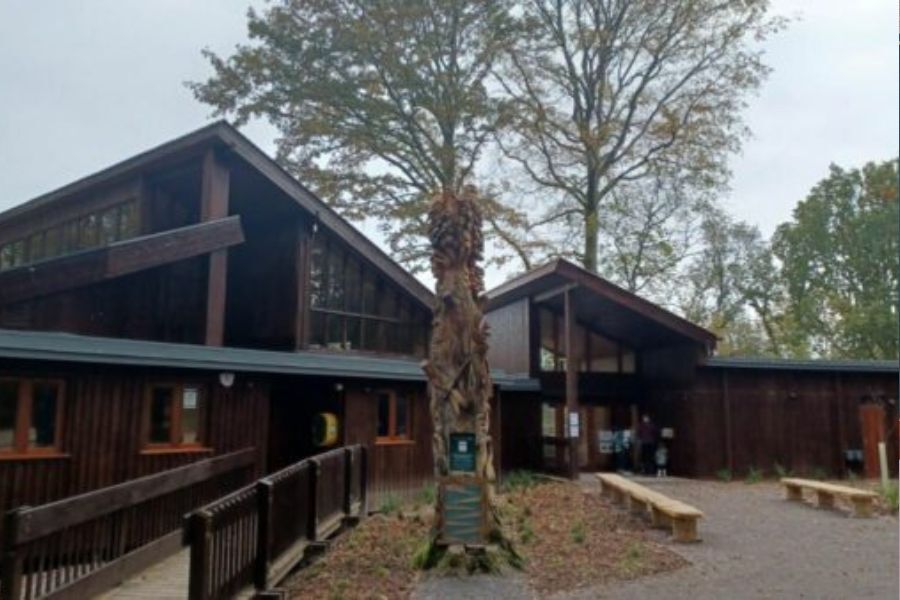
pixel 176 431
pixel 24 415
pixel 392 438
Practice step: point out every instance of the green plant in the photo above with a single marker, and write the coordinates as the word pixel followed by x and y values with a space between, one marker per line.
pixel 852 476
pixel 526 533
pixel 389 504
pixel 780 471
pixel 427 495
pixel 891 495
pixel 724 475
pixel 754 475
pixel 577 532
pixel 519 479
pixel 818 473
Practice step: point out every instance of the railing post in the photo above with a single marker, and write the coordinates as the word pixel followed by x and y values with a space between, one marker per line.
pixel 312 523
pixel 11 576
pixel 348 481
pixel 201 555
pixel 363 481
pixel 263 533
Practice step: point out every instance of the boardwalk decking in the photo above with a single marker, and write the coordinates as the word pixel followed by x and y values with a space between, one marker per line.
pixel 166 580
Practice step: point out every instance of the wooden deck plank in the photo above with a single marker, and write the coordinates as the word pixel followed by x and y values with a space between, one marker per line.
pixel 166 580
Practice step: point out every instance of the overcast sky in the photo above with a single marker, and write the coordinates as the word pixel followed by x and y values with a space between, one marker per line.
pixel 84 84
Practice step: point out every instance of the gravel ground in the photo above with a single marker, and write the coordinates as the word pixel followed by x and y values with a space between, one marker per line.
pixel 510 587
pixel 757 545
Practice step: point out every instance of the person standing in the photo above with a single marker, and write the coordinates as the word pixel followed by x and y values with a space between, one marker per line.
pixel 646 435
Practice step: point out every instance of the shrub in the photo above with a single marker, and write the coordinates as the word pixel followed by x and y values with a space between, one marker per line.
pixel 724 475
pixel 754 475
pixel 427 495
pixel 818 473
pixel 780 471
pixel 389 504
pixel 519 479
pixel 889 493
pixel 578 534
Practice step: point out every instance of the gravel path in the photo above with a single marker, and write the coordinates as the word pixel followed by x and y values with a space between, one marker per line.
pixel 757 545
pixel 510 587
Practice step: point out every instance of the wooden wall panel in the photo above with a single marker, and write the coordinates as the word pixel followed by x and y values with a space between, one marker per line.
pixel 101 431
pixel 509 337
pixel 801 420
pixel 399 469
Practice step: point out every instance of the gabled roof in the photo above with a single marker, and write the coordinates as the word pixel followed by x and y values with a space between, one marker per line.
pixel 221 133
pixel 794 364
pixel 71 348
pixel 595 292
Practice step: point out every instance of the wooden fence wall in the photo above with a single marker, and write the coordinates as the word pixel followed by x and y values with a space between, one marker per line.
pixel 101 431
pixel 741 418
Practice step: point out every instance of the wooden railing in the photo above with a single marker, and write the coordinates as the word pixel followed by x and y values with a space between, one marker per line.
pixel 83 545
pixel 256 535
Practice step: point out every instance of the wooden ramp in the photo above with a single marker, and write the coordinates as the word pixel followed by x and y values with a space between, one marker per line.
pixel 166 580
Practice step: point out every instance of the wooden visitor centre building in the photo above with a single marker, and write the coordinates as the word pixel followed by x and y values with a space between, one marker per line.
pixel 196 299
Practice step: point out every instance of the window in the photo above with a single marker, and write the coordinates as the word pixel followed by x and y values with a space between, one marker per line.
pixel 175 416
pixel 30 413
pixel 118 222
pixel 394 418
pixel 353 308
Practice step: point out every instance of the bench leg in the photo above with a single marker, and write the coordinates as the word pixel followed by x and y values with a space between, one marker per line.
pixel 684 529
pixel 862 507
pixel 826 500
pixel 636 507
pixel 618 496
pixel 658 518
pixel 794 492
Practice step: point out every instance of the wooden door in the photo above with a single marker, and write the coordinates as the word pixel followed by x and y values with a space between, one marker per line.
pixel 871 418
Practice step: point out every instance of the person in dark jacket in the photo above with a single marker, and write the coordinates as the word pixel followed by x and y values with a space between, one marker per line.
pixel 646 434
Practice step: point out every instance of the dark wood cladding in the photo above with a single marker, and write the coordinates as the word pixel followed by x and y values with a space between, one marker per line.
pixel 509 337
pixel 101 432
pixel 802 420
pixel 118 259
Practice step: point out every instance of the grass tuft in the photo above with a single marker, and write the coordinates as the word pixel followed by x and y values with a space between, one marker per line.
pixel 891 495
pixel 724 475
pixel 390 504
pixel 781 471
pixel 519 480
pixel 754 475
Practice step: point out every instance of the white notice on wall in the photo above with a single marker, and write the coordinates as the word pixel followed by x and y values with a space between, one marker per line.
pixel 190 398
pixel 574 425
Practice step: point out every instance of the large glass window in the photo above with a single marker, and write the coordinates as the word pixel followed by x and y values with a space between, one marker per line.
pixel 87 231
pixel 353 308
pixel 596 353
pixel 30 411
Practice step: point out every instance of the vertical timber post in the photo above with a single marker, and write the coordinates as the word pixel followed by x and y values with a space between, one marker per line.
pixel 571 384
pixel 263 534
pixel 213 206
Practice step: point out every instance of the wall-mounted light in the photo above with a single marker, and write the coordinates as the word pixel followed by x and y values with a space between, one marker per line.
pixel 339 387
pixel 226 379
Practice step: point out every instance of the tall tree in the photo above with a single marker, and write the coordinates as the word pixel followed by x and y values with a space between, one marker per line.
pixel 840 263
pixel 379 104
pixel 612 91
pixel 651 228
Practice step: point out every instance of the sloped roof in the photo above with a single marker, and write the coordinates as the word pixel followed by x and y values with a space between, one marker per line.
pixel 223 134
pixel 792 364
pixel 71 348
pixel 561 272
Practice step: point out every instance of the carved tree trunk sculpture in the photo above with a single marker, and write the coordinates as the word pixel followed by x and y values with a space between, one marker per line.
pixel 457 369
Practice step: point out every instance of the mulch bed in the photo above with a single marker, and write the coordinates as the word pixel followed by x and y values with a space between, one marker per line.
pixel 571 539
pixel 372 561
pixel 568 538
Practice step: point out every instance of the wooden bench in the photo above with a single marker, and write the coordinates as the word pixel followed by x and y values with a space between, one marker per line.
pixel 861 500
pixel 664 512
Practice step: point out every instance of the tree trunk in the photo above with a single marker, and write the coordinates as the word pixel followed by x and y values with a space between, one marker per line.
pixel 460 385
pixel 591 234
